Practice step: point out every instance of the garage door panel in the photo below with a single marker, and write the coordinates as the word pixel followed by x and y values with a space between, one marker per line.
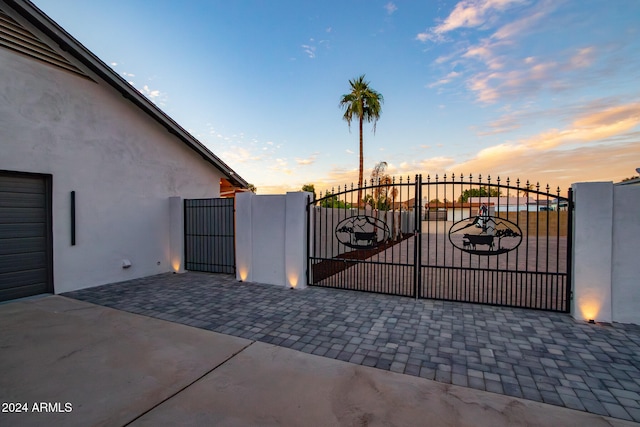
pixel 22 184
pixel 22 215
pixel 23 291
pixel 22 200
pixel 17 262
pixel 21 246
pixel 12 231
pixel 23 278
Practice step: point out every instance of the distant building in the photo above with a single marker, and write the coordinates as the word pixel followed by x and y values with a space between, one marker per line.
pixel 514 204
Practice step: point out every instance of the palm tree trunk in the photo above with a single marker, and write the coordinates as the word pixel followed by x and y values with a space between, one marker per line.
pixel 361 169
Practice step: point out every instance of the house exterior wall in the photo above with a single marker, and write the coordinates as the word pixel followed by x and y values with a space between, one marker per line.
pixel 122 165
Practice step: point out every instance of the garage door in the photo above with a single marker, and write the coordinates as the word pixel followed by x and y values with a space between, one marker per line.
pixel 25 235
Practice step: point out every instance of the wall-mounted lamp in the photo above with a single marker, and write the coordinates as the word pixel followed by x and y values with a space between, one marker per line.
pixel 591 321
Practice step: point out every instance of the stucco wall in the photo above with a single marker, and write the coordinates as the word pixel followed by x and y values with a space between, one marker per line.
pixel 271 238
pixel 122 165
pixel 625 271
pixel 606 271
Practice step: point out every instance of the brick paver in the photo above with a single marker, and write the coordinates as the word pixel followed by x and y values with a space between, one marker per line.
pixel 537 355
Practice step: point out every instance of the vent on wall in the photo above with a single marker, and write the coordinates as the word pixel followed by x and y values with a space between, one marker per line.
pixel 17 38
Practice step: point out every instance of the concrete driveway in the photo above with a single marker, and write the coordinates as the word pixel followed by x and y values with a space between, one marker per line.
pixel 67 362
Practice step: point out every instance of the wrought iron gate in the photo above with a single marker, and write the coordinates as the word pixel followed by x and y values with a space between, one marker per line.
pixel 474 241
pixel 209 240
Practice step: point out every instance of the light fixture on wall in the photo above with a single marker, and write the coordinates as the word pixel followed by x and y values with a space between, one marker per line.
pixel 592 322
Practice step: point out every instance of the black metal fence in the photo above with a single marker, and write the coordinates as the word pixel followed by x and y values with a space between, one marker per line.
pixel 209 235
pixel 460 239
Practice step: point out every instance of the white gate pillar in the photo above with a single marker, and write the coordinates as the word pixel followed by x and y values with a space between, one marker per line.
pixel 243 236
pixel 176 234
pixel 592 251
pixel 296 245
pixel 271 239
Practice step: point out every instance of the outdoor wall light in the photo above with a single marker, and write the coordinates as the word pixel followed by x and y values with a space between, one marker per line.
pixel 591 321
pixel 293 280
pixel 589 307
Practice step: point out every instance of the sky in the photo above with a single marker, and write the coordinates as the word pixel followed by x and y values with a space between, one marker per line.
pixel 543 91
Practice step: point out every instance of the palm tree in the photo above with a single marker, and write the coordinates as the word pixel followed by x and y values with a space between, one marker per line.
pixel 364 103
pixel 384 183
pixel 526 190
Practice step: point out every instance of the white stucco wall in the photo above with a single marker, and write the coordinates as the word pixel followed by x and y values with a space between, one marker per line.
pixel 592 234
pixel 606 271
pixel 271 239
pixel 122 165
pixel 268 239
pixel 625 258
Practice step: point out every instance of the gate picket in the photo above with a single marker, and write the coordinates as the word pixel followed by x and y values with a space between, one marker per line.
pixel 209 235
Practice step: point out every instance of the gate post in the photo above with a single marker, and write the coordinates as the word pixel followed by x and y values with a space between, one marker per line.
pixel 417 250
pixel 295 243
pixel 592 251
pixel 176 234
pixel 244 241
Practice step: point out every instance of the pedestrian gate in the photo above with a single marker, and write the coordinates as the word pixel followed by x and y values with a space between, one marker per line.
pixel 457 239
pixel 209 239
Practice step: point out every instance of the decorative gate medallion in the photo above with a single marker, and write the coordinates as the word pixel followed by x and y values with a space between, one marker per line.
pixel 362 232
pixel 485 235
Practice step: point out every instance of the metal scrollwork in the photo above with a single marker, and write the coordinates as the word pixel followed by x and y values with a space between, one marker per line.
pixel 362 232
pixel 485 235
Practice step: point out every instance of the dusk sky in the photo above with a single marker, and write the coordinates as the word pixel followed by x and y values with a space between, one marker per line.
pixel 543 90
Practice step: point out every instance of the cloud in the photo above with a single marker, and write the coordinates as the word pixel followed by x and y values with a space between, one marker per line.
pixel 590 127
pixel 423 37
pixel 237 154
pixel 149 93
pixel 308 161
pixel 557 167
pixel 528 76
pixel 447 79
pixel 309 50
pixel 153 95
pixel 504 124
pixel 583 58
pixel 574 153
pixel 516 28
pixel 467 14
pixel 495 66
pixel 390 8
pixel 435 164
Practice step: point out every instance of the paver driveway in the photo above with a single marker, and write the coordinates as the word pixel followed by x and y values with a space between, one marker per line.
pixel 541 356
